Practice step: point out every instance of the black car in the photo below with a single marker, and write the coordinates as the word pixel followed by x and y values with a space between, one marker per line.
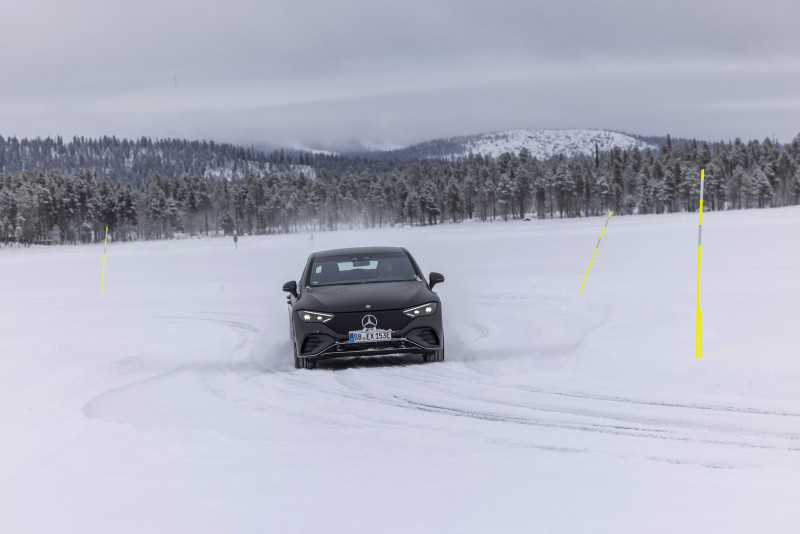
pixel 364 302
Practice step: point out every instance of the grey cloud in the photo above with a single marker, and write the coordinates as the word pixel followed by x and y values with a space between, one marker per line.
pixel 326 73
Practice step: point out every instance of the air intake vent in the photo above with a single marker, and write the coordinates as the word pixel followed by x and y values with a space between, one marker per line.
pixel 428 335
pixel 310 344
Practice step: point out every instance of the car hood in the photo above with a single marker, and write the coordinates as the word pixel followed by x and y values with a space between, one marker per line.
pixel 356 297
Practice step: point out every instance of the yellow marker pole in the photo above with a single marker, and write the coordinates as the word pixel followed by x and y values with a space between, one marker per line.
pixel 699 320
pixel 595 251
pixel 103 277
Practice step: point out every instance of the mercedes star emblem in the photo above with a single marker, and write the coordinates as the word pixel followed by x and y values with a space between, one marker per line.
pixel 369 322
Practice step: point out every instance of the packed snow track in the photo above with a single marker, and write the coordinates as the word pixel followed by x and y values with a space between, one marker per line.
pixel 170 403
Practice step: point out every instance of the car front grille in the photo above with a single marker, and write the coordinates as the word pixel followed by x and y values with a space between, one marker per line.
pixel 387 320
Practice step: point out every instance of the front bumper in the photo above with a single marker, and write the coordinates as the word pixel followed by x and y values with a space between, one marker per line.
pixel 422 335
pixel 347 349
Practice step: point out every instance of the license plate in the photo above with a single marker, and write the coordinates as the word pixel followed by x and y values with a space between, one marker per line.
pixel 360 336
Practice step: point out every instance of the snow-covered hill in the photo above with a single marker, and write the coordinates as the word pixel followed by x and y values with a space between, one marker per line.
pixel 542 144
pixel 546 143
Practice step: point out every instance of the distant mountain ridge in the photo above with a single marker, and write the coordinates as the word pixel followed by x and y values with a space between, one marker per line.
pixel 542 144
pixel 133 161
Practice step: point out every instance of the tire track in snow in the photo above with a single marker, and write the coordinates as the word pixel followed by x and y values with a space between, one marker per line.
pixel 620 430
pixel 449 389
pixel 611 398
pixel 673 426
pixel 96 407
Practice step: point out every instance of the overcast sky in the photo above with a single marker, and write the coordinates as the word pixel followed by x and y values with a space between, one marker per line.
pixel 325 74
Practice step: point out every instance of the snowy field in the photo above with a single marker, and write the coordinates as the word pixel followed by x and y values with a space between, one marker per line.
pixel 169 403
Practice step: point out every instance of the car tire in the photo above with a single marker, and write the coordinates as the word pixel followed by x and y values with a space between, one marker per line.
pixel 302 363
pixel 298 362
pixel 437 356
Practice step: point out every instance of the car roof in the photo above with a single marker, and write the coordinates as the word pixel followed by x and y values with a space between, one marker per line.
pixel 357 251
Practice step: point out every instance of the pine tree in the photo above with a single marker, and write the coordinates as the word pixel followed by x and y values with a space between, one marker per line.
pixel 736 186
pixel 761 189
pixel 796 186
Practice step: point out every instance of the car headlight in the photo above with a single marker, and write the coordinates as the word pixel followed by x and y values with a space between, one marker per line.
pixel 309 316
pixel 425 309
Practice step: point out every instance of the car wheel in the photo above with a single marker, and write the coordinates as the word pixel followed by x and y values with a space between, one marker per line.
pixel 302 363
pixel 437 356
pixel 298 362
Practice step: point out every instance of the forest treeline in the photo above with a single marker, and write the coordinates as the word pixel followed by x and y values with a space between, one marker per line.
pixel 133 161
pixel 64 206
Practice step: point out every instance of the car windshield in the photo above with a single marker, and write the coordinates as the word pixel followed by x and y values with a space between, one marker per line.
pixel 361 268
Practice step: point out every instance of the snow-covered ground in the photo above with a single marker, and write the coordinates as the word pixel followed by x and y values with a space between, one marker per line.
pixel 169 402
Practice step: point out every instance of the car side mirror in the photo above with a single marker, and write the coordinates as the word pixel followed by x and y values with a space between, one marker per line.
pixel 435 278
pixel 291 287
